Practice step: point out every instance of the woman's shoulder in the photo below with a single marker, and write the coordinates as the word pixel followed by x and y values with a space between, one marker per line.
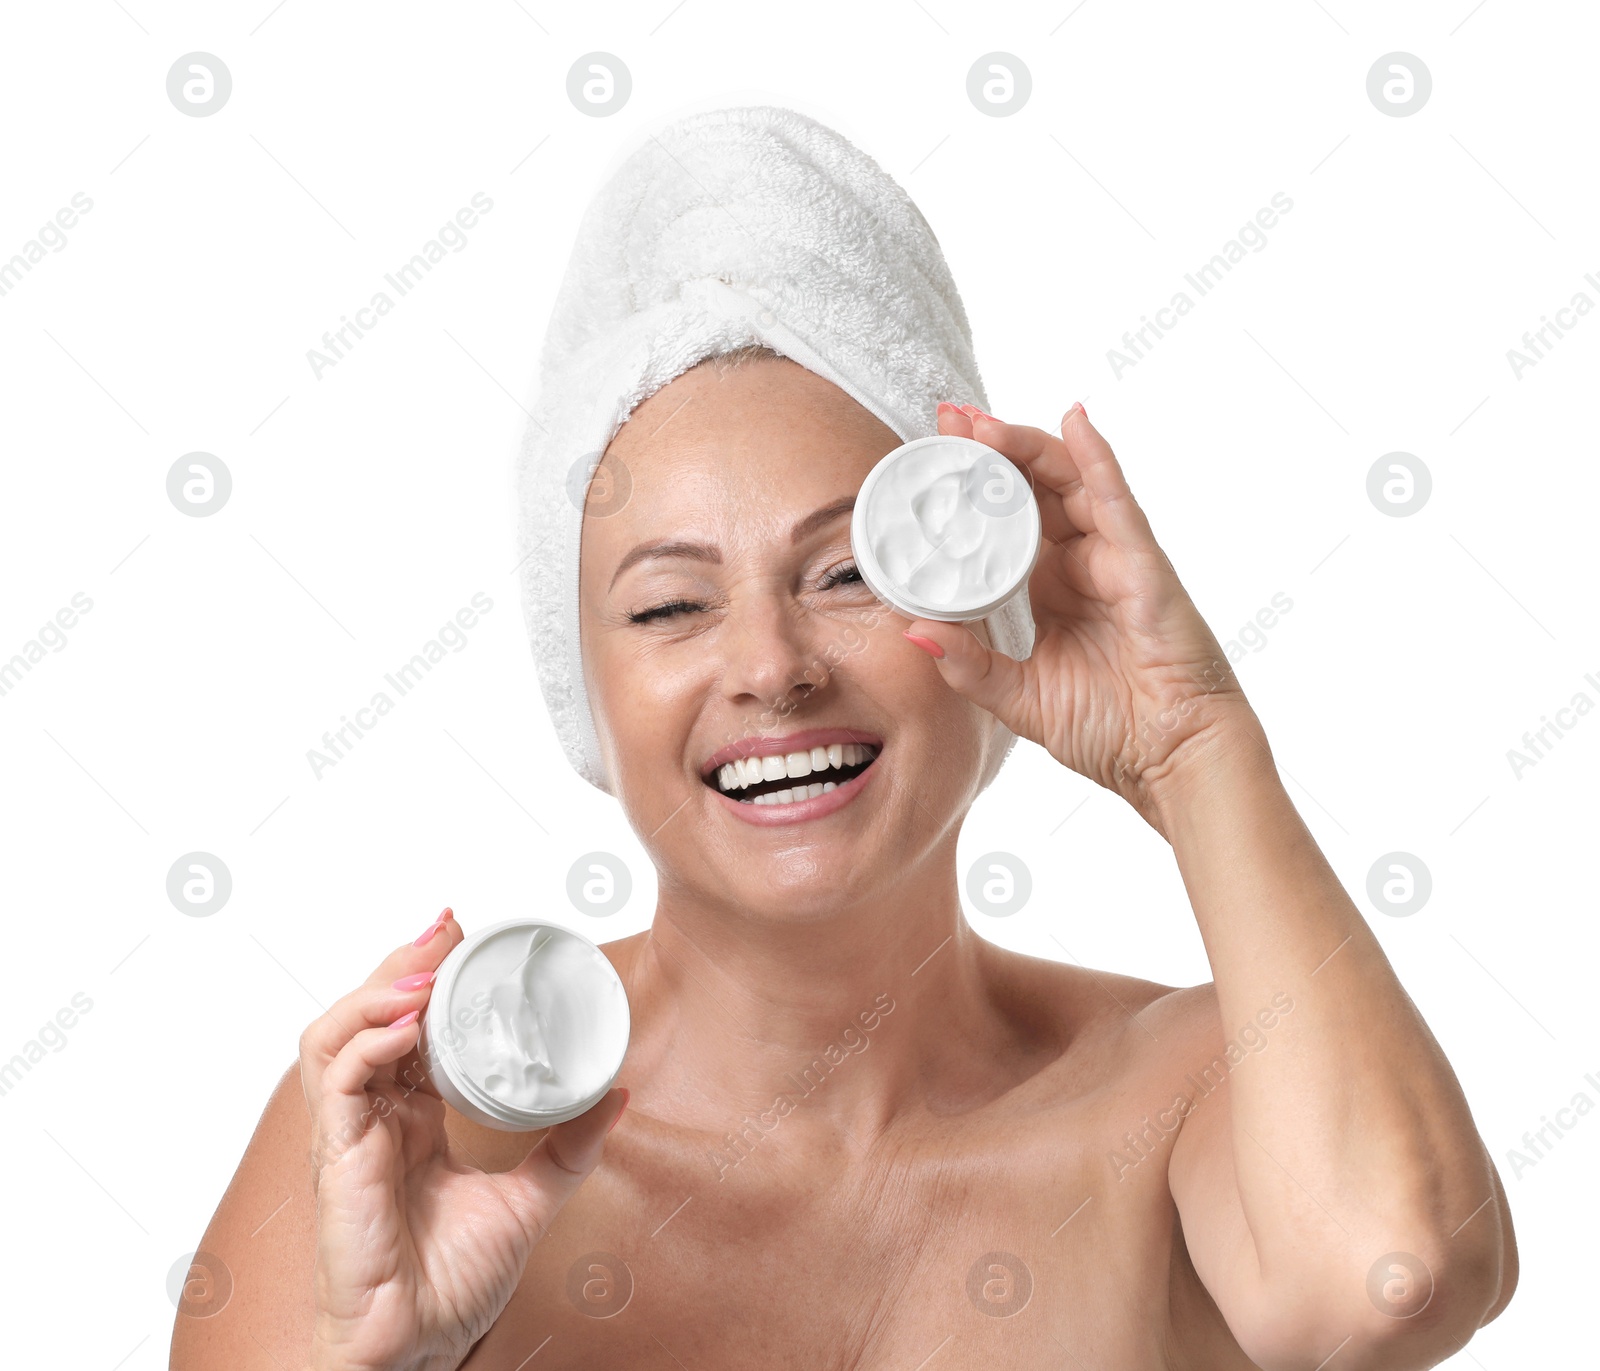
pixel 1088 996
pixel 252 1273
pixel 1118 1018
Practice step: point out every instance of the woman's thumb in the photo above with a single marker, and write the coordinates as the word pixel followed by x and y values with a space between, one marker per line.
pixel 986 677
pixel 561 1161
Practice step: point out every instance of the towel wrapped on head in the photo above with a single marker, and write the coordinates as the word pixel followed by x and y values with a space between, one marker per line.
pixel 751 225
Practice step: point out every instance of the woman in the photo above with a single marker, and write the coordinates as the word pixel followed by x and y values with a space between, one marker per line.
pixel 985 1159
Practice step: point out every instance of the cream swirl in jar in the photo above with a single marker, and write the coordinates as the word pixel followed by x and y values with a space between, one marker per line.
pixel 945 528
pixel 526 1027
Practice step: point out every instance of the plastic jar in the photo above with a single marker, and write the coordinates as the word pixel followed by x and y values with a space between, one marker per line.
pixel 945 528
pixel 526 1027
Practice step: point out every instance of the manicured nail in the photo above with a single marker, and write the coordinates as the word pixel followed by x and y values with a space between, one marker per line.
pixel 444 917
pixel 944 405
pixel 926 644
pixel 1077 407
pixel 404 1019
pixel 416 982
pixel 620 1112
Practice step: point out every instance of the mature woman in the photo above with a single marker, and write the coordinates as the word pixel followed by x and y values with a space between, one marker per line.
pixel 853 1133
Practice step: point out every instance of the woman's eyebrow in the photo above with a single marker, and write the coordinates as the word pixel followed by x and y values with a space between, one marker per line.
pixel 669 547
pixel 705 552
pixel 820 518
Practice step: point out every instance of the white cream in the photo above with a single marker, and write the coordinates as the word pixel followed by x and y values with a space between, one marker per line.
pixel 528 1022
pixel 945 528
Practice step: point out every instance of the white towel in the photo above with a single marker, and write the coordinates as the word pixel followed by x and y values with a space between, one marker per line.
pixel 746 225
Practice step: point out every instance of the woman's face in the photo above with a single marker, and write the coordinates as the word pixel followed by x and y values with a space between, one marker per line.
pixel 723 618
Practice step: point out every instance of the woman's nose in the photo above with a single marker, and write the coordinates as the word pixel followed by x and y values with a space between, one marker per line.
pixel 771 657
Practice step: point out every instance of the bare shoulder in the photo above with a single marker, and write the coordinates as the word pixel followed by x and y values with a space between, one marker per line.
pixel 250 1294
pixel 1108 1032
pixel 1086 1005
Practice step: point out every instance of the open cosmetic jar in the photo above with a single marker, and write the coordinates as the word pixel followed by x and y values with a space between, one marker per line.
pixel 945 528
pixel 526 1027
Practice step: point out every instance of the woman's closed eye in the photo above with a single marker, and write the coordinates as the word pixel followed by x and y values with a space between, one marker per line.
pixel 842 575
pixel 666 611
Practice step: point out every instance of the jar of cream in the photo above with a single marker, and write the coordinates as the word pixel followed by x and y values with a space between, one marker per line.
pixel 526 1027
pixel 945 528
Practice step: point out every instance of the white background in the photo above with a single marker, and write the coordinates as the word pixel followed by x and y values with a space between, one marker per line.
pixel 370 504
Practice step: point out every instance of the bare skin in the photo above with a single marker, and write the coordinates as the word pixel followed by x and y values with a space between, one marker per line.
pixel 858 1134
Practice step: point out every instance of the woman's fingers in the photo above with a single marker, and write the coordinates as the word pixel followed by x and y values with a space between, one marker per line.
pixel 345 1109
pixel 953 423
pixel 1116 514
pixel 559 1163
pixel 376 1002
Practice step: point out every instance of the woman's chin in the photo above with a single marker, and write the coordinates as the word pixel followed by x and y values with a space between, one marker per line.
pixel 804 902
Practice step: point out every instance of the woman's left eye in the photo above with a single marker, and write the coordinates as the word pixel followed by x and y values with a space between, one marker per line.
pixel 843 574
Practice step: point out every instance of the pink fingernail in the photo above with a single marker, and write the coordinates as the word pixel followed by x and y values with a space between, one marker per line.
pixel 415 982
pixel 428 932
pixel 404 1019
pixel 926 644
pixel 944 405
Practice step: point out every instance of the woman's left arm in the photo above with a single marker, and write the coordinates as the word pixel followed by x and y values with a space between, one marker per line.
pixel 1343 1200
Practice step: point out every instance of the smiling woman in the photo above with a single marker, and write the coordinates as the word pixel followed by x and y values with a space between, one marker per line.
pixel 1033 1159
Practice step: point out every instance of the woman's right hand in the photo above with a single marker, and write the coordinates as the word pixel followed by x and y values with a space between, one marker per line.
pixel 417 1252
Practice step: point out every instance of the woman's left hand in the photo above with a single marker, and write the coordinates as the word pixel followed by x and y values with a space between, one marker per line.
pixel 1126 682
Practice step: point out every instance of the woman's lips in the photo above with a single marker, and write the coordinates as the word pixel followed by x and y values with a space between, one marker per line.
pixel 799 811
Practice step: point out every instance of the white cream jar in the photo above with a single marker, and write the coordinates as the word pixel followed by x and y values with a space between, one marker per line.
pixel 527 1025
pixel 945 528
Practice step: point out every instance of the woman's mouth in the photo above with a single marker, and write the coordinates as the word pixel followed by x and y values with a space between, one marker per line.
pixel 787 777
pixel 804 782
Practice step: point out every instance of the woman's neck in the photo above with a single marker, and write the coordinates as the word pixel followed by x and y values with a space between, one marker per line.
pixel 885 1005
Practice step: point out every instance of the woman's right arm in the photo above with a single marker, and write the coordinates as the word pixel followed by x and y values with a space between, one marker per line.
pixel 353 1236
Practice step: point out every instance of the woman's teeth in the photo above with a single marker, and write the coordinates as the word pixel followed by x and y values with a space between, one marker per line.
pixel 749 771
pixel 799 792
